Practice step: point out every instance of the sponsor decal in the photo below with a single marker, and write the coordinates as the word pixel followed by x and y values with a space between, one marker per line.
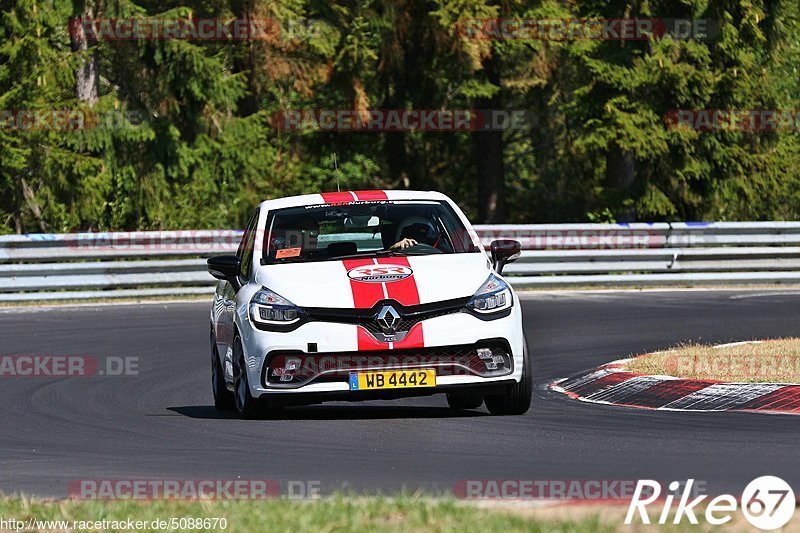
pixel 379 273
pixel 353 197
pixel 288 252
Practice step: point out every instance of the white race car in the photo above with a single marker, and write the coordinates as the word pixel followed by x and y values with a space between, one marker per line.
pixel 366 295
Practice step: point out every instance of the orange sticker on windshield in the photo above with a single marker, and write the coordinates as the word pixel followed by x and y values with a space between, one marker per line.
pixel 288 252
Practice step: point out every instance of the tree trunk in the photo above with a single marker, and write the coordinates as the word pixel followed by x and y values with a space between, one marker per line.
pixel 488 155
pixel 620 176
pixel 394 143
pixel 87 77
pixel 244 61
pixel 36 211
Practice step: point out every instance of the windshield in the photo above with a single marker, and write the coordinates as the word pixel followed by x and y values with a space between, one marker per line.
pixel 364 229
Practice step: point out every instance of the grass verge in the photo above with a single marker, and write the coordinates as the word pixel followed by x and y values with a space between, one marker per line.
pixel 405 513
pixel 774 361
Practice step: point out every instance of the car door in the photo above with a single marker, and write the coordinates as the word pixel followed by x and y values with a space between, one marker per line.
pixel 225 296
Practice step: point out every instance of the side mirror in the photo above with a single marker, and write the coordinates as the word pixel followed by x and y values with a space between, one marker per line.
pixel 504 251
pixel 224 267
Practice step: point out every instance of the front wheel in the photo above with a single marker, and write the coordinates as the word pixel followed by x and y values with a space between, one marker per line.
pixel 223 399
pixel 517 399
pixel 246 405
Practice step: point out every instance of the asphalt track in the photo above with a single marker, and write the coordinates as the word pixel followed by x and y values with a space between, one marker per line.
pixel 161 424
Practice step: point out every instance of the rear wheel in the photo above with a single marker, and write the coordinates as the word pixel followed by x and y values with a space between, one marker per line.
pixel 464 400
pixel 517 398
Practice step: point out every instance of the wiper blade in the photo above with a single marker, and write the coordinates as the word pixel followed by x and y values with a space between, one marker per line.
pixel 425 252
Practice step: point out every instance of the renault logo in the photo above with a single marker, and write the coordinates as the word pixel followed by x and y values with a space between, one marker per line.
pixel 388 319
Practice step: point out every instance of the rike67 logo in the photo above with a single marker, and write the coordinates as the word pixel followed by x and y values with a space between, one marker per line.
pixel 768 503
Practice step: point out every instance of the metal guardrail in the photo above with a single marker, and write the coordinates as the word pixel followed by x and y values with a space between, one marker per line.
pixel 171 263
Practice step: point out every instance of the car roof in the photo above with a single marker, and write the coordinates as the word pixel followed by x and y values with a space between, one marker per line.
pixel 350 196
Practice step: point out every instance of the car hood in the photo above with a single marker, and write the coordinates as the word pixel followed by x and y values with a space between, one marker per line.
pixel 360 283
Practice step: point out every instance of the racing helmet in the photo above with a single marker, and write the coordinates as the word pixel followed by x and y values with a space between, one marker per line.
pixel 418 228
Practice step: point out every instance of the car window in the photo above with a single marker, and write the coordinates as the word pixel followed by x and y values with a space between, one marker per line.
pixel 362 229
pixel 245 251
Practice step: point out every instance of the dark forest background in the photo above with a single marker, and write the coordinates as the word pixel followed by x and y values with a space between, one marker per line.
pixel 204 150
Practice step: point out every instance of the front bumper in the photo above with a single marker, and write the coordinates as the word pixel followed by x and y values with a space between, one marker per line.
pixel 293 370
pixel 332 339
pixel 308 397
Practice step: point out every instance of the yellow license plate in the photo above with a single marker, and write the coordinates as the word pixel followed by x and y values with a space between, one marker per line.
pixel 393 379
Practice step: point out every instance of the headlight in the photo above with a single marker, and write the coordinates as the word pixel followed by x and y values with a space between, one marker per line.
pixel 270 308
pixel 494 296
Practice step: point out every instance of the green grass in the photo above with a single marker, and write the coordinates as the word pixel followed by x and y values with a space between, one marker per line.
pixel 405 513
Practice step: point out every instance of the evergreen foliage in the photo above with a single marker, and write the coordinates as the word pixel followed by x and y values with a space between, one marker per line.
pixel 185 132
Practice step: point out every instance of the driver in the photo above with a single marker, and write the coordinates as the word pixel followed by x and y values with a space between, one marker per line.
pixel 414 230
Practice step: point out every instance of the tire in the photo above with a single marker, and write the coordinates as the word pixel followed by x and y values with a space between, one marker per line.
pixel 247 406
pixel 464 400
pixel 223 399
pixel 517 399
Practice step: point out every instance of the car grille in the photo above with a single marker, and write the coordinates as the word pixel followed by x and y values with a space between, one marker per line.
pixel 409 315
pixel 406 323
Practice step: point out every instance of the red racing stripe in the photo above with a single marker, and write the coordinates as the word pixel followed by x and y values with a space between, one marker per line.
pixel 371 195
pixel 405 290
pixel 365 295
pixel 367 342
pixel 337 197
pixel 414 339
